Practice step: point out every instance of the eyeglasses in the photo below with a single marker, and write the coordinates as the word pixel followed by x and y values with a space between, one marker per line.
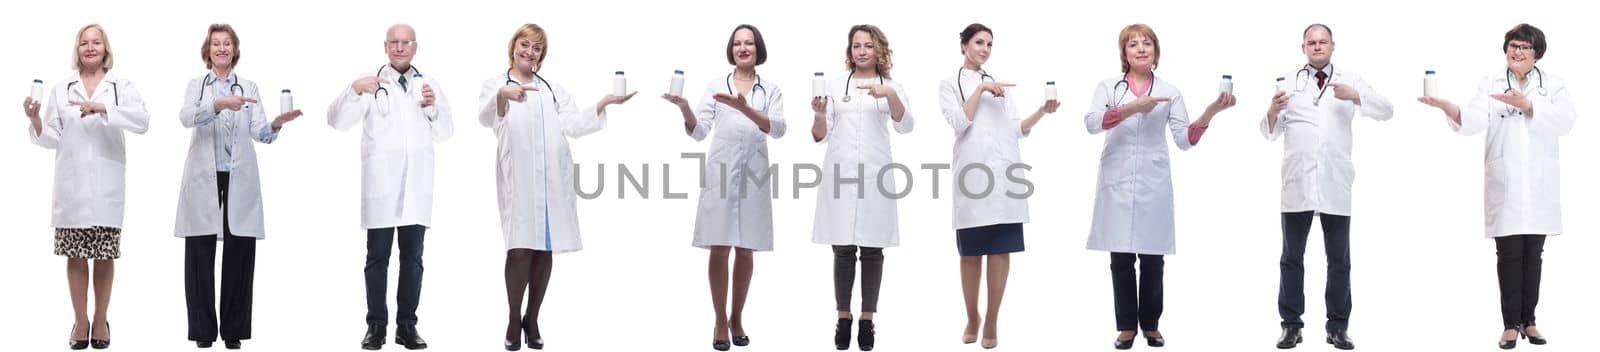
pixel 1519 47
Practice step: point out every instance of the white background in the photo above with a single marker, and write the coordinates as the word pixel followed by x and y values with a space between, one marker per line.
pixel 1423 273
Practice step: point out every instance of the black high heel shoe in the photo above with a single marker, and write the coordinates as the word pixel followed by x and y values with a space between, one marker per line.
pixel 535 341
pixel 720 345
pixel 515 343
pixel 868 335
pixel 1123 344
pixel 78 344
pixel 841 334
pixel 1537 340
pixel 1512 343
pixel 741 341
pixel 1154 341
pixel 98 343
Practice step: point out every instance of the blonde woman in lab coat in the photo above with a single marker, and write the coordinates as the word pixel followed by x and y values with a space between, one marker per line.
pixel 859 216
pixel 988 223
pixel 532 120
pixel 1133 203
pixel 220 198
pixel 402 113
pixel 85 123
pixel 735 215
pixel 1523 112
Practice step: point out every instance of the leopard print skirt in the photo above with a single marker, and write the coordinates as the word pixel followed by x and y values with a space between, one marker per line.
pixel 97 243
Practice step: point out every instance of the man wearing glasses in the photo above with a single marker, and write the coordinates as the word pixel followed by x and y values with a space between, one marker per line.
pixel 403 114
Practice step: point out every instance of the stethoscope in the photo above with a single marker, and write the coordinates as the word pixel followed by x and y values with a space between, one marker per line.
pixel 852 76
pixel 983 76
pixel 116 98
pixel 235 89
pixel 1512 78
pixel 1125 88
pixel 1303 77
pixel 1513 111
pixel 383 101
pixel 513 82
pixel 729 82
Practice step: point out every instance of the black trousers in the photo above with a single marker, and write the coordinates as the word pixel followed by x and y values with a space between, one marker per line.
pixel 380 243
pixel 1518 266
pixel 1292 269
pixel 1138 300
pixel 238 279
pixel 844 276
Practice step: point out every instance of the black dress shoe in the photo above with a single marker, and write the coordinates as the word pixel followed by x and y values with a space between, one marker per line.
pixel 1537 340
pixel 720 345
pixel 78 344
pixel 373 340
pixel 841 334
pixel 406 335
pixel 232 344
pixel 1341 340
pixel 1290 338
pixel 1508 344
pixel 202 344
pixel 98 343
pixel 532 335
pixel 741 341
pixel 868 335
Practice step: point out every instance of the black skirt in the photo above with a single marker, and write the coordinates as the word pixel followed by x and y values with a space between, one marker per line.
pixel 992 239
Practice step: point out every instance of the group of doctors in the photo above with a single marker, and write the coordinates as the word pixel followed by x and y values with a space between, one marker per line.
pixel 403 113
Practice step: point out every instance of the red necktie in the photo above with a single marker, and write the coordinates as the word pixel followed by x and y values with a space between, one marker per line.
pixel 1322 79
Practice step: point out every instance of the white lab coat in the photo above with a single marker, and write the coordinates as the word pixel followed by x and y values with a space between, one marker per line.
pixel 91 154
pixel 850 212
pixel 533 172
pixel 1521 156
pixel 1133 210
pixel 990 138
pixel 726 217
pixel 1317 171
pixel 396 148
pixel 199 212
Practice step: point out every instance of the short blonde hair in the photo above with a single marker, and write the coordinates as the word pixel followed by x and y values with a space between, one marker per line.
pixel 884 54
pixel 105 40
pixel 532 32
pixel 1127 34
pixel 205 46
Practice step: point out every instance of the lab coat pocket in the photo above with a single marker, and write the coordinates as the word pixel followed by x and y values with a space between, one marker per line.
pixel 110 182
pixel 1161 163
pixel 1496 182
pixel 377 123
pixel 1342 174
pixel 1295 170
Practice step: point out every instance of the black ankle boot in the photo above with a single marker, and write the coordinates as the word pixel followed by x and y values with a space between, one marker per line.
pixel 841 334
pixel 406 335
pixel 867 336
pixel 373 340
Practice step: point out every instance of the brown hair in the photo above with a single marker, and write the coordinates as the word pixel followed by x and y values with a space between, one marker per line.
pixel 761 44
pixel 104 40
pixel 532 32
pixel 1127 34
pixel 885 61
pixel 205 46
pixel 1527 33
